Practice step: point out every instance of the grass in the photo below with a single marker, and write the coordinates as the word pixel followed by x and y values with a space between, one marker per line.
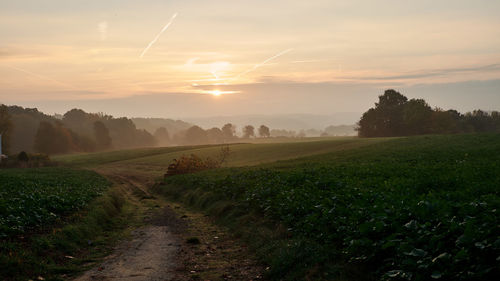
pixel 416 208
pixel 242 154
pixel 100 158
pixel 54 221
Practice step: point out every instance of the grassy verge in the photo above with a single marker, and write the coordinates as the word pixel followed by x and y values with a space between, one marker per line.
pixel 268 238
pixel 417 208
pixel 80 232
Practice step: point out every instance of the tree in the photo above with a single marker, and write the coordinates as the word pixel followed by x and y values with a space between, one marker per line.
pixel 44 138
pixel 386 118
pixel 81 143
pixel 215 135
pixel 162 136
pixel 395 115
pixel 248 131
pixel 417 116
pixel 5 128
pixel 391 99
pixel 23 156
pixel 101 134
pixel 228 131
pixel 195 135
pixel 79 121
pixel 144 138
pixel 480 121
pixel 53 138
pixel 446 122
pixel 264 131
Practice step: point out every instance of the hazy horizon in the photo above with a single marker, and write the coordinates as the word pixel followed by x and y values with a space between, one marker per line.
pixel 193 59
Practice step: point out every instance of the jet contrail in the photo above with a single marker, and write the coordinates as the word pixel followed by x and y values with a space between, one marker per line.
pixel 262 63
pixel 158 36
pixel 42 77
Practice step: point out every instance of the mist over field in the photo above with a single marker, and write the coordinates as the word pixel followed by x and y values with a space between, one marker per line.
pixel 249 140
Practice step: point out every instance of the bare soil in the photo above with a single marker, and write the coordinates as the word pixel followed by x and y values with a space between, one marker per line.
pixel 174 243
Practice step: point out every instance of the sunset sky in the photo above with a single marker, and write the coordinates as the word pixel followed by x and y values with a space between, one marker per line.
pixel 195 58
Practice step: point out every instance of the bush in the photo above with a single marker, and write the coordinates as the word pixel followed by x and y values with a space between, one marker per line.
pixel 23 157
pixel 193 163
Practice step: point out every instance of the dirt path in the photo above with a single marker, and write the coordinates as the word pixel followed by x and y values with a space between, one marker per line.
pixel 173 244
pixel 150 255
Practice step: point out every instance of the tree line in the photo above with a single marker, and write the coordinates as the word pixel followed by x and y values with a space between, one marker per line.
pixel 27 129
pixel 396 115
pixel 226 134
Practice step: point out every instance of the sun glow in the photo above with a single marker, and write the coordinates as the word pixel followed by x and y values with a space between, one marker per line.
pixel 217 93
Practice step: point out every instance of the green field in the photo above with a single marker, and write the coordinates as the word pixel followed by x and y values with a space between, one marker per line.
pixel 101 158
pixel 52 213
pixel 31 198
pixel 417 208
pixel 245 154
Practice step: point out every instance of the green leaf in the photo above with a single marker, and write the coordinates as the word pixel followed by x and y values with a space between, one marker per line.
pixel 416 253
pixel 436 275
pixel 441 256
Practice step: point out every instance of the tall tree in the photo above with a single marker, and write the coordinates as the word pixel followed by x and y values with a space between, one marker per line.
pixel 5 128
pixel 229 130
pixel 101 134
pixel 143 139
pixel 386 118
pixel 79 121
pixel 54 139
pixel 45 137
pixel 195 135
pixel 215 135
pixel 162 136
pixel 248 131
pixel 264 131
pixel 417 117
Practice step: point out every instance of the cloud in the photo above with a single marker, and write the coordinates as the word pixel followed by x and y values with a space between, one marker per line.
pixel 102 28
pixel 191 61
pixel 432 73
pixel 19 52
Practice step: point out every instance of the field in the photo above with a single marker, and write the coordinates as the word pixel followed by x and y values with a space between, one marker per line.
pixel 156 160
pixel 415 208
pixel 31 198
pixel 48 215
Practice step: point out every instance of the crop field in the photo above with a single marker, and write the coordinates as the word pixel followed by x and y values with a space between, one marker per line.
pixel 242 154
pixel 418 208
pixel 101 158
pixel 31 198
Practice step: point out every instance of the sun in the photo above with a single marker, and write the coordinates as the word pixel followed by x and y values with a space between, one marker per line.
pixel 216 93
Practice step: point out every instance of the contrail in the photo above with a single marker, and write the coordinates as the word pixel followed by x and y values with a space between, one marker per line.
pixel 42 77
pixel 158 36
pixel 262 63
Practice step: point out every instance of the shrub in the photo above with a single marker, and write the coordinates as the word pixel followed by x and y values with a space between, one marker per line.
pixel 193 163
pixel 23 157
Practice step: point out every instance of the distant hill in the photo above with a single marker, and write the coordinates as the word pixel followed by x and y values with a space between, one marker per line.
pixel 294 122
pixel 151 124
pixel 341 130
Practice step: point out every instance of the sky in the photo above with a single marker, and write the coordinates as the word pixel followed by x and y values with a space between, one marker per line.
pixel 194 58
